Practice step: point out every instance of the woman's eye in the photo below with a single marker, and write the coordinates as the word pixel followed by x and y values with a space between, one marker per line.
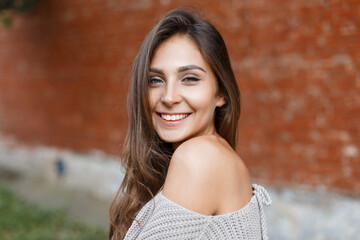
pixel 155 80
pixel 191 79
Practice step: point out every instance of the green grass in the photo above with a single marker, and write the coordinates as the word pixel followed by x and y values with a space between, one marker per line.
pixel 21 221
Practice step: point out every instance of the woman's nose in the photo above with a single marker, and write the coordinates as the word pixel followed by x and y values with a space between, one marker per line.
pixel 171 95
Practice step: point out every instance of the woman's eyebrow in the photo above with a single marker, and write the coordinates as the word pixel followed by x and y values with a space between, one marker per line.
pixel 190 67
pixel 156 70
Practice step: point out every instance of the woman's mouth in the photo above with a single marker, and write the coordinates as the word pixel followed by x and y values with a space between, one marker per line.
pixel 173 117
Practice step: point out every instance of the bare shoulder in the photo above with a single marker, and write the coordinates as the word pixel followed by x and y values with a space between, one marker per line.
pixel 200 150
pixel 207 176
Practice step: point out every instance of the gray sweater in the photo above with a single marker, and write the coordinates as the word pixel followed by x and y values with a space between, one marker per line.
pixel 161 219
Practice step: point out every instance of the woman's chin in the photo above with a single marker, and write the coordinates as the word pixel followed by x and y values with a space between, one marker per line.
pixel 173 140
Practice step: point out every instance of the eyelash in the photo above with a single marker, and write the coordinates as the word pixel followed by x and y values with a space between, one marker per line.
pixel 191 79
pixel 156 80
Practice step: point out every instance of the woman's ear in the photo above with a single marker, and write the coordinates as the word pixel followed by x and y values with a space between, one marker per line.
pixel 220 101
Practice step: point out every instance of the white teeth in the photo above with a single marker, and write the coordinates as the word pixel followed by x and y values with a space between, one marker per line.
pixel 174 117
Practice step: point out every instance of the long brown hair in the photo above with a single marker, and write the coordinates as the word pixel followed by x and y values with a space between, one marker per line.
pixel 146 156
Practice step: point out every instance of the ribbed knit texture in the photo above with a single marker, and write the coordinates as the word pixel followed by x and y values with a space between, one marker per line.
pixel 161 219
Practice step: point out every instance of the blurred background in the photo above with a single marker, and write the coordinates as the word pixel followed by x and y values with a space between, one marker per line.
pixel 64 75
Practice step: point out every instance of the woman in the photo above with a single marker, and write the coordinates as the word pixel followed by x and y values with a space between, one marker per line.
pixel 183 177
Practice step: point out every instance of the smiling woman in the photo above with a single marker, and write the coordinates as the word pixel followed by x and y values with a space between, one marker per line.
pixel 183 178
pixel 183 91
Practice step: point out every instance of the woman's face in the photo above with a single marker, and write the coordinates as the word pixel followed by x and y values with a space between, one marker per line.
pixel 182 91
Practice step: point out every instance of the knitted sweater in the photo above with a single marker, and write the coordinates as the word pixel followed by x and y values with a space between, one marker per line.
pixel 161 219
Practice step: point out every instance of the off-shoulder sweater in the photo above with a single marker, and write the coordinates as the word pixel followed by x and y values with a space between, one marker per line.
pixel 161 219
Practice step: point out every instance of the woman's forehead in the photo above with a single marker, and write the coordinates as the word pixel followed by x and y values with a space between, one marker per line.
pixel 177 51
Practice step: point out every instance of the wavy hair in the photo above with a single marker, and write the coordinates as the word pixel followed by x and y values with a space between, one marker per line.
pixel 145 156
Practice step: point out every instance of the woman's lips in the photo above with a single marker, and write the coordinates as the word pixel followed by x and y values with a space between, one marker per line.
pixel 172 119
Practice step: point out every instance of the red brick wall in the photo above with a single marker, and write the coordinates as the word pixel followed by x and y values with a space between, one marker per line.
pixel 64 76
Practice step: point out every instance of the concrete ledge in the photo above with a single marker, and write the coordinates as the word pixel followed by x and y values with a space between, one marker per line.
pixel 95 173
pixel 304 215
